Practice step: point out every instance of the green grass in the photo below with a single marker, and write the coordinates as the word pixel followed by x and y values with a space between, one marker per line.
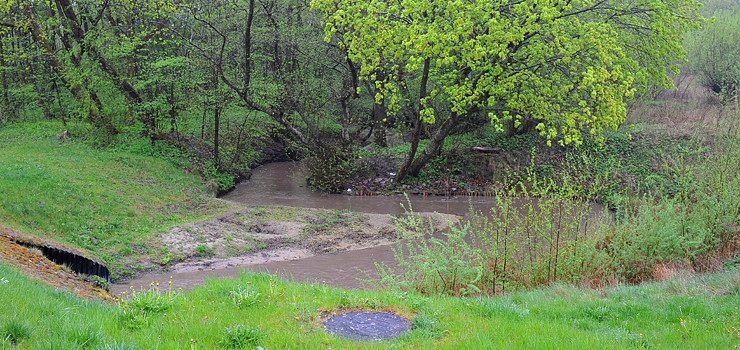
pixel 115 202
pixel 686 312
pixel 112 203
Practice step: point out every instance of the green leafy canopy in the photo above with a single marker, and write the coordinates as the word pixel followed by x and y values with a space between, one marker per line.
pixel 568 64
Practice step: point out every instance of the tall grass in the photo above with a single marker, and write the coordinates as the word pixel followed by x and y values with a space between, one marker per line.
pixel 534 234
pixel 540 232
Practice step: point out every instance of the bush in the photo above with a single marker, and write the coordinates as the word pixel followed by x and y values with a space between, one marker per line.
pixel 713 51
pixel 522 242
pixel 543 233
pixel 239 336
pixel 330 166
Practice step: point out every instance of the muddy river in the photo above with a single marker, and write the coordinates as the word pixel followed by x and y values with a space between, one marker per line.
pixel 284 184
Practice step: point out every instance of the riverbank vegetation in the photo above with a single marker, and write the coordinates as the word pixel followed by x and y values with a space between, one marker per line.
pixel 119 121
pixel 547 235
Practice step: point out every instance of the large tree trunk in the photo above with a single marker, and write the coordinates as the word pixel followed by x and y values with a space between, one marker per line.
pixel 404 171
pixel 434 146
pixel 416 111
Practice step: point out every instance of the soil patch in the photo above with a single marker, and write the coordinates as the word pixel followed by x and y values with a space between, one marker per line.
pixel 274 233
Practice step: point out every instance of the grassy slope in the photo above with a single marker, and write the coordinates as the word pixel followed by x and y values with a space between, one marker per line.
pixel 683 313
pixel 110 203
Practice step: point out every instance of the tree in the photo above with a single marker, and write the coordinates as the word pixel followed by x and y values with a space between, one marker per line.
pixel 271 56
pixel 567 65
pixel 92 48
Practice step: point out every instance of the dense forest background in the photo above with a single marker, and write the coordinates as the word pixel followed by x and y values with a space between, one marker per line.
pixel 234 83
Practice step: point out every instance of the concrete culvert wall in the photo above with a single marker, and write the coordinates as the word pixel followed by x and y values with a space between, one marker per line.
pixel 59 254
pixel 78 264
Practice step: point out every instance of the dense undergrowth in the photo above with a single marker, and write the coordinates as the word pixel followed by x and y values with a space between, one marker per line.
pixel 673 198
pixel 683 312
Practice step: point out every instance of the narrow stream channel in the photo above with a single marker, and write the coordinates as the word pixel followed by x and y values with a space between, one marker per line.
pixel 283 184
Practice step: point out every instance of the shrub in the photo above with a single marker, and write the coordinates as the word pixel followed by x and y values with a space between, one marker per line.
pixel 203 251
pixel 522 242
pixel 712 53
pixel 330 166
pixel 543 232
pixel 240 336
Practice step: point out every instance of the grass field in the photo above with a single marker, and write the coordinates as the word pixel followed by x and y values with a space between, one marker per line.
pixel 683 312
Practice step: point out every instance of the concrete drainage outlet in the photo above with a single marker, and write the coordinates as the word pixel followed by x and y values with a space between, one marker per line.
pixel 368 326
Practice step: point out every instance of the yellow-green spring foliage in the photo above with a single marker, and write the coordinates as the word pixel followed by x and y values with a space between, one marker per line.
pixel 570 65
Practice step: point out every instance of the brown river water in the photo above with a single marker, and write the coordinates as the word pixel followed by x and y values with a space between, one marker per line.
pixel 284 184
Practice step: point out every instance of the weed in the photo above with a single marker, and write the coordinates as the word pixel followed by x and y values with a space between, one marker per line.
pixel 427 325
pixel 97 281
pixel 498 308
pixel 131 318
pixel 351 300
pixel 244 297
pixel 134 312
pixel 203 251
pixel 115 345
pixel 306 316
pixel 57 344
pixel 82 335
pixel 15 331
pixel 414 301
pixel 240 336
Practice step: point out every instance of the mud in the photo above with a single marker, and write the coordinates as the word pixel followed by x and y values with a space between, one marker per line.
pixel 275 233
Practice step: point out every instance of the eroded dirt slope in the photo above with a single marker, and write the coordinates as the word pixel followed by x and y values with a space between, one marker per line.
pixel 34 264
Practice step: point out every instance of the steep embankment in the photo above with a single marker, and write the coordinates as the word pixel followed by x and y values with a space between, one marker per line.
pixel 105 210
pixel 109 203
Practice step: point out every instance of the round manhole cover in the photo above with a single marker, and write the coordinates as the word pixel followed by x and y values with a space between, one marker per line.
pixel 362 325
